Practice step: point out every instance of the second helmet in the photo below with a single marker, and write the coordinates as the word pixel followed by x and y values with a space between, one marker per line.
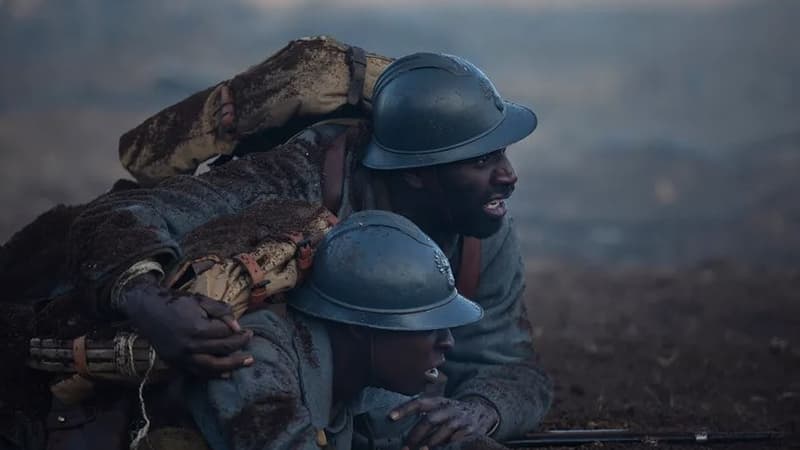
pixel 431 108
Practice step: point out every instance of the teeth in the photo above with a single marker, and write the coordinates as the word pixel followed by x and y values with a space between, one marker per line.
pixel 432 374
pixel 493 204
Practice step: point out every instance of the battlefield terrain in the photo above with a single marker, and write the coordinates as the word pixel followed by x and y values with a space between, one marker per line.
pixel 657 206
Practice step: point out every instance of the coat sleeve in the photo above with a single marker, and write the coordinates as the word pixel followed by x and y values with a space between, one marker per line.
pixel 494 358
pixel 260 406
pixel 119 229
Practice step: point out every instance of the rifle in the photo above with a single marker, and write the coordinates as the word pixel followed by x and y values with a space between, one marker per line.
pixel 574 438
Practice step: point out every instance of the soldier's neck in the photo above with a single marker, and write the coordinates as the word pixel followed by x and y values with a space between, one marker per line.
pixel 351 369
pixel 412 205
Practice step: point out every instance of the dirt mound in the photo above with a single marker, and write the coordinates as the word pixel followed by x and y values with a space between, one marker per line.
pixel 716 347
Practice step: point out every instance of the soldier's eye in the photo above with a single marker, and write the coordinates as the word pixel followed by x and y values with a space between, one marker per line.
pixel 482 161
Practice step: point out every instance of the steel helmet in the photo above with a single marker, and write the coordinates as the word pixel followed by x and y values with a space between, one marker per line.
pixel 379 270
pixel 432 108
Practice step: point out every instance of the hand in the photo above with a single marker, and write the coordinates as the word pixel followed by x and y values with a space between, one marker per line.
pixel 443 420
pixel 188 331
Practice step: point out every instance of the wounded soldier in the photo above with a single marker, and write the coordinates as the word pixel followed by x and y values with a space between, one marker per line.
pixel 376 311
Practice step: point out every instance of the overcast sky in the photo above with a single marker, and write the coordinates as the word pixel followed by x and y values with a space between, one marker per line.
pixel 705 77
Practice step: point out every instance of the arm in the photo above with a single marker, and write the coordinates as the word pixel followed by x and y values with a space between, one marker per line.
pixel 260 406
pixel 494 358
pixel 120 229
pixel 494 386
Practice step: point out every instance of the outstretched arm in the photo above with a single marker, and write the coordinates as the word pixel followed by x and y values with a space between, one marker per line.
pixel 494 358
pixel 494 385
pixel 118 232
pixel 119 229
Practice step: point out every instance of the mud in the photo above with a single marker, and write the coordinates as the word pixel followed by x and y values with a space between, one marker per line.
pixel 166 129
pixel 307 343
pixel 714 347
pixel 263 421
pixel 240 233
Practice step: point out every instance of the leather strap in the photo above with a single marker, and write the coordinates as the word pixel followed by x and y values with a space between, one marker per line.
pixel 357 60
pixel 333 174
pixel 257 276
pixel 227 112
pixel 469 269
pixel 79 355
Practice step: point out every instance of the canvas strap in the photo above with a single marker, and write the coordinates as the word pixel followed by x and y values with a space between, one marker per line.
pixel 357 61
pixel 227 112
pixel 469 270
pixel 333 174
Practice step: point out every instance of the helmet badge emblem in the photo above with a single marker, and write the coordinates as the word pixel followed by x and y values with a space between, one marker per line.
pixel 440 261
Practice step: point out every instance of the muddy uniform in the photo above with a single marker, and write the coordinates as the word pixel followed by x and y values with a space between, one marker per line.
pixel 284 399
pixel 493 359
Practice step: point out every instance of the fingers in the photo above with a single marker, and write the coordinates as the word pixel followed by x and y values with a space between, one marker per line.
pixel 437 417
pixel 221 346
pixel 461 435
pixel 219 310
pixel 210 365
pixel 446 432
pixel 435 429
pixel 441 421
pixel 416 406
pixel 417 434
pixel 210 329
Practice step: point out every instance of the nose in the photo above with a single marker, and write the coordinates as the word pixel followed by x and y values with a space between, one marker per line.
pixel 445 340
pixel 503 173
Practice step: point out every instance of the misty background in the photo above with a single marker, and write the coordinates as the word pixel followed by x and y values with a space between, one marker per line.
pixel 669 130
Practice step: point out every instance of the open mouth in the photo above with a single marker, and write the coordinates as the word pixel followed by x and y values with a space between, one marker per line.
pixel 432 375
pixel 495 207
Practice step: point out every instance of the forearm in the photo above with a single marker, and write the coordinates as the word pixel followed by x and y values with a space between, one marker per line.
pixel 520 393
pixel 494 359
pixel 121 229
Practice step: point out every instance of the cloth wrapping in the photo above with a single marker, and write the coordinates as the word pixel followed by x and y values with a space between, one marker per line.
pixel 307 81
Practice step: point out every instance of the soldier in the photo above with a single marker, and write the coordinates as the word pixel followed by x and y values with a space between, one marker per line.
pixel 436 156
pixel 375 311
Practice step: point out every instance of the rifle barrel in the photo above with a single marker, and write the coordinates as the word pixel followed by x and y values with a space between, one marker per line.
pixel 574 438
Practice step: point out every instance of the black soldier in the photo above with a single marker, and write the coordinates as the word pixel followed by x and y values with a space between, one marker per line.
pixel 436 156
pixel 375 311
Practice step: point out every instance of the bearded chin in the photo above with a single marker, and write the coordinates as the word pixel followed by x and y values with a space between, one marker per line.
pixel 480 228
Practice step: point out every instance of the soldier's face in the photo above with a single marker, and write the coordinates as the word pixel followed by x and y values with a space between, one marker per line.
pixel 406 361
pixel 476 190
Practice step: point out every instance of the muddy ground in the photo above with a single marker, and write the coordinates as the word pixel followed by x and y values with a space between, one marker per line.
pixel 714 347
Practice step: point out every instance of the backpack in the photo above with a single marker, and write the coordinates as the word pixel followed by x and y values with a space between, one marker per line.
pixel 309 80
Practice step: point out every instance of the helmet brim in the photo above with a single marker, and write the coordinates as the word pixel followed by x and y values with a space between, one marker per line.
pixel 457 312
pixel 518 123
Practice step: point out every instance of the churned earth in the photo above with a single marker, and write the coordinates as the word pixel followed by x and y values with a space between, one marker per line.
pixel 713 347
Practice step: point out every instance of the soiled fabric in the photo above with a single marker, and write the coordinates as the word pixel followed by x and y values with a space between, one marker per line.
pixel 493 359
pixel 284 399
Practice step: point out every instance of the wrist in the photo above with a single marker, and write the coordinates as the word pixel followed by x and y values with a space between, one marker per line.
pixel 143 272
pixel 491 412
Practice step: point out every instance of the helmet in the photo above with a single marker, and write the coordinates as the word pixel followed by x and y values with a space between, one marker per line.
pixel 431 108
pixel 379 270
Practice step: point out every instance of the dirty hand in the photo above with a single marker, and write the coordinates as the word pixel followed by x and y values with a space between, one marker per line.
pixel 188 331
pixel 444 420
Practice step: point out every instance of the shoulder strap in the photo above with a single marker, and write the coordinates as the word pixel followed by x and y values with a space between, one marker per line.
pixel 333 174
pixel 357 60
pixel 469 270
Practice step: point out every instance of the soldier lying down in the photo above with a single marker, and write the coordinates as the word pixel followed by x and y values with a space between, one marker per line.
pixel 376 311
